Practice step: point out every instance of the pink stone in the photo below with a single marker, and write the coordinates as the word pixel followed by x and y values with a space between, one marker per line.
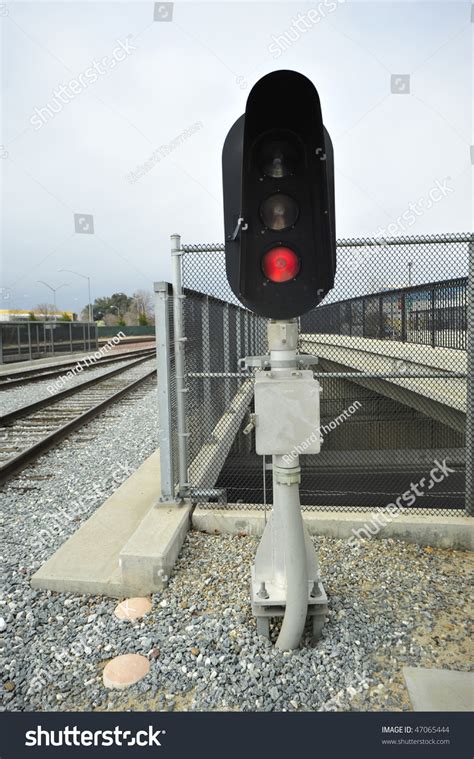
pixel 125 670
pixel 133 608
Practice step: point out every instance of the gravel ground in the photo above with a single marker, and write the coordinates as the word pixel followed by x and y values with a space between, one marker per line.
pixel 16 397
pixel 391 604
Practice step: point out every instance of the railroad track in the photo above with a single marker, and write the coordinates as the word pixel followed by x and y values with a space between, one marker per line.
pixel 39 373
pixel 29 431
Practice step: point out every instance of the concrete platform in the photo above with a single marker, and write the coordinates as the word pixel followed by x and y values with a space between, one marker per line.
pixel 120 550
pixel 443 399
pixel 439 690
pixel 441 531
pixel 16 367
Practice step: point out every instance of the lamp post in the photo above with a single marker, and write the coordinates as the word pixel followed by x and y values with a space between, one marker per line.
pixel 84 276
pixel 53 290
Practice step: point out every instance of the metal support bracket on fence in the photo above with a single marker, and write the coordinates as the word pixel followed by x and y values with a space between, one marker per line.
pixel 263 362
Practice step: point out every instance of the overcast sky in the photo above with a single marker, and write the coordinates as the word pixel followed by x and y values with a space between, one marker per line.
pixel 192 69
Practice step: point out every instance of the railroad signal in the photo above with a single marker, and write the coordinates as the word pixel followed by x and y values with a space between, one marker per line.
pixel 278 173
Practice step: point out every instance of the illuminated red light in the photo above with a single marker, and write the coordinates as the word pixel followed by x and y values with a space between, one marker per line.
pixel 280 264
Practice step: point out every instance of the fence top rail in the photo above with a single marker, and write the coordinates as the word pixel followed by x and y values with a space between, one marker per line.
pixel 454 282
pixel 405 240
pixel 357 242
pixel 41 322
pixel 204 248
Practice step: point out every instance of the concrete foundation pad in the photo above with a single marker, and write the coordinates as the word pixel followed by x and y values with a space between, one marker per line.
pixel 90 561
pixel 440 531
pixel 439 690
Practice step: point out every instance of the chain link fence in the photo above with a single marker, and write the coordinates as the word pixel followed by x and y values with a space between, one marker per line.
pixel 390 342
pixel 28 340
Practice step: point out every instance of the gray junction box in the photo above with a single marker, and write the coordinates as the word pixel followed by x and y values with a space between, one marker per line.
pixel 287 413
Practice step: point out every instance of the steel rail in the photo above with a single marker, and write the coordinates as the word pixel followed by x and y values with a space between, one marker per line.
pixel 36 375
pixel 30 454
pixel 45 402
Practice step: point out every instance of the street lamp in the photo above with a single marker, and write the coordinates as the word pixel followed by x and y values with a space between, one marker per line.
pixel 53 290
pixel 84 276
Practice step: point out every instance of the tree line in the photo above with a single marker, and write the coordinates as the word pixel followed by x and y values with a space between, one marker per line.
pixel 116 309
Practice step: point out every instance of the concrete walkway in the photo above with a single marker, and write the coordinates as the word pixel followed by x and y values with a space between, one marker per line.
pixel 439 690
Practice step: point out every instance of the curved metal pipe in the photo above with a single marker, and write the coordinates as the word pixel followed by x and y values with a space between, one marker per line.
pixel 288 500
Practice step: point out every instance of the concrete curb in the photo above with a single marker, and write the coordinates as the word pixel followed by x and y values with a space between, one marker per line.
pixel 127 547
pixel 442 532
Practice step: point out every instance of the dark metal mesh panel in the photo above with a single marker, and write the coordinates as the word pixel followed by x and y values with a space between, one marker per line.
pixel 219 332
pixel 398 310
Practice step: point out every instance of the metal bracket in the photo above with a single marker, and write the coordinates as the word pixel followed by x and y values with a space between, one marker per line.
pixel 264 362
pixel 251 425
pixel 242 226
pixel 254 362
pixel 220 494
pixel 306 359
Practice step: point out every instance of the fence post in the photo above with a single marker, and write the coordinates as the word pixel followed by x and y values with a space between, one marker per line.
pixel 238 335
pixel 163 371
pixel 179 340
pixel 404 317
pixel 206 351
pixel 227 367
pixel 29 341
pixel 433 316
pixel 470 387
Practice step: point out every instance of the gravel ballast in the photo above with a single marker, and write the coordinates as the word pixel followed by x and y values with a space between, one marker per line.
pixel 17 397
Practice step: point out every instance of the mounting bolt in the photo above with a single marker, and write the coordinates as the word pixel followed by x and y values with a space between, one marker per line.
pixel 262 591
pixel 316 591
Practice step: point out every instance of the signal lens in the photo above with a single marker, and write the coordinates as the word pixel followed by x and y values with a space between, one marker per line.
pixel 279 212
pixel 280 264
pixel 278 159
